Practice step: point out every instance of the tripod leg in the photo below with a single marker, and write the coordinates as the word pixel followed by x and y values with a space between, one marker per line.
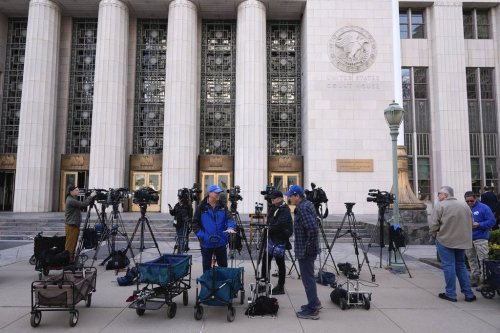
pixel 292 259
pixel 239 225
pixel 153 236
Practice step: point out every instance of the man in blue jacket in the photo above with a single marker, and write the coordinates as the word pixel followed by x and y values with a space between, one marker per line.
pixel 211 224
pixel 484 220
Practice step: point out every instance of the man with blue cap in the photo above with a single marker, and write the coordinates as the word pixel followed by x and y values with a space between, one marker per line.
pixel 211 224
pixel 306 231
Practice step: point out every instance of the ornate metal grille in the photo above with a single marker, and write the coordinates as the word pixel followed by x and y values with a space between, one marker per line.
pixel 218 88
pixel 483 132
pixel 13 84
pixel 283 89
pixel 150 86
pixel 81 86
pixel 417 124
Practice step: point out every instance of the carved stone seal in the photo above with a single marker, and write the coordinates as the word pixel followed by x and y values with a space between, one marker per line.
pixel 352 49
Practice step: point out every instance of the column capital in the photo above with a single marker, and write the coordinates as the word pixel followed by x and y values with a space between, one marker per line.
pixel 46 3
pixel 115 3
pixel 183 3
pixel 252 3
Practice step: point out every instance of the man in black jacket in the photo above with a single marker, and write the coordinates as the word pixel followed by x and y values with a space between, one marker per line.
pixel 280 229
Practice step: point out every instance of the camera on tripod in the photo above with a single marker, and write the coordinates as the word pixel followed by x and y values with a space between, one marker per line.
pixel 146 196
pixel 267 193
pixel 234 194
pixel 188 195
pixel 382 198
pixel 101 194
pixel 317 196
pixel 117 195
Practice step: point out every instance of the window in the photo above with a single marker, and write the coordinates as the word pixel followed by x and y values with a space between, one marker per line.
pixel 411 23
pixel 476 23
pixel 13 84
pixel 218 89
pixel 483 132
pixel 150 69
pixel 81 91
pixel 283 89
pixel 417 124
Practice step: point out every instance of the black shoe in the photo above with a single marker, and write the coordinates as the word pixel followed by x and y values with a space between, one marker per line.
pixel 470 299
pixel 278 290
pixel 443 296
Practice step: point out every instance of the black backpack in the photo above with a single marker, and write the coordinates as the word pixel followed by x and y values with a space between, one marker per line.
pixel 118 260
pixel 263 306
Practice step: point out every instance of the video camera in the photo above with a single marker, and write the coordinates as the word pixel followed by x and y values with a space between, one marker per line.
pixel 146 196
pixel 117 195
pixel 188 195
pixel 267 193
pixel 317 195
pixel 234 194
pixel 382 198
pixel 101 194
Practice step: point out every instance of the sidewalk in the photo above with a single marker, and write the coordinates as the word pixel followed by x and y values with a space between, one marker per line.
pixel 399 303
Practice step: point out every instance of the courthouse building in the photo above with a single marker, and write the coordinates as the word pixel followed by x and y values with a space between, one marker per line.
pixel 166 93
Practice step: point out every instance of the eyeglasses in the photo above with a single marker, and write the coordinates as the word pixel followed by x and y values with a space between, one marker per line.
pixel 470 201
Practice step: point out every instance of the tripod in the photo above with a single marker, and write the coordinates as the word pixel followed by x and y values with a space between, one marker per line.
pixel 235 216
pixel 80 258
pixel 116 228
pixel 319 217
pixel 142 222
pixel 394 244
pixel 380 226
pixel 356 240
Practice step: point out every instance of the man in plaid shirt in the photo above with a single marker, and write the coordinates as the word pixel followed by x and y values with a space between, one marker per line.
pixel 306 247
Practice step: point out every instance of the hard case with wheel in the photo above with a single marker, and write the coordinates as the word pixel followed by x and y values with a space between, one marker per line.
pixel 49 254
pixel 166 277
pixel 491 278
pixel 62 293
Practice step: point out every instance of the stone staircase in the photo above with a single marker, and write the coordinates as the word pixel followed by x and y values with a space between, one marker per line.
pixel 24 226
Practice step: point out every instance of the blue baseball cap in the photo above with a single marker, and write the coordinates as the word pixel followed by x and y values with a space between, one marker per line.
pixel 295 189
pixel 214 188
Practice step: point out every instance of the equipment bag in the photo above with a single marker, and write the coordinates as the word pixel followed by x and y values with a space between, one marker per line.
pixel 263 306
pixel 276 250
pixel 90 239
pixel 118 260
pixel 326 278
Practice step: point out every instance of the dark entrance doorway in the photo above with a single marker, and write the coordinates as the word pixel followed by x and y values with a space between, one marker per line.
pixel 7 180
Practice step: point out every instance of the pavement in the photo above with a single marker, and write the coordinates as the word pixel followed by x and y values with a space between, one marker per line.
pixel 399 303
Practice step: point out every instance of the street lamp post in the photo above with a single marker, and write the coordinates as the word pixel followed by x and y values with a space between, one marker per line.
pixel 394 115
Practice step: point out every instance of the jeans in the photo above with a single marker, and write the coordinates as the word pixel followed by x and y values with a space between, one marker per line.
pixel 453 262
pixel 220 255
pixel 306 266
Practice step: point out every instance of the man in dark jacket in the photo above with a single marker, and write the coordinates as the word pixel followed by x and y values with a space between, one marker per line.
pixel 211 224
pixel 280 229
pixel 73 218
pixel 182 213
pixel 489 199
pixel 484 220
pixel 306 232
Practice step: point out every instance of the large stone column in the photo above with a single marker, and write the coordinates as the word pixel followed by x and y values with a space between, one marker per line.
pixel 450 127
pixel 35 152
pixel 180 141
pixel 250 152
pixel 107 145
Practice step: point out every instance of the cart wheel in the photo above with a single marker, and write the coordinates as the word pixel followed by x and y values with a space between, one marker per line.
pixel 343 303
pixel 73 318
pixel 242 296
pixel 488 292
pixel 185 297
pixel 33 260
pixel 198 312
pixel 230 313
pixel 366 302
pixel 46 271
pixel 88 300
pixel 36 317
pixel 171 310
pixel 140 309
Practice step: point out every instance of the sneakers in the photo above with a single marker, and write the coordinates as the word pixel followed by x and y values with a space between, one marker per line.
pixel 318 307
pixel 278 290
pixel 443 296
pixel 470 299
pixel 308 314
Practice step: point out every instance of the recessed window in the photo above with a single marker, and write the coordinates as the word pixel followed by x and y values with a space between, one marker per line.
pixel 412 23
pixel 476 23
